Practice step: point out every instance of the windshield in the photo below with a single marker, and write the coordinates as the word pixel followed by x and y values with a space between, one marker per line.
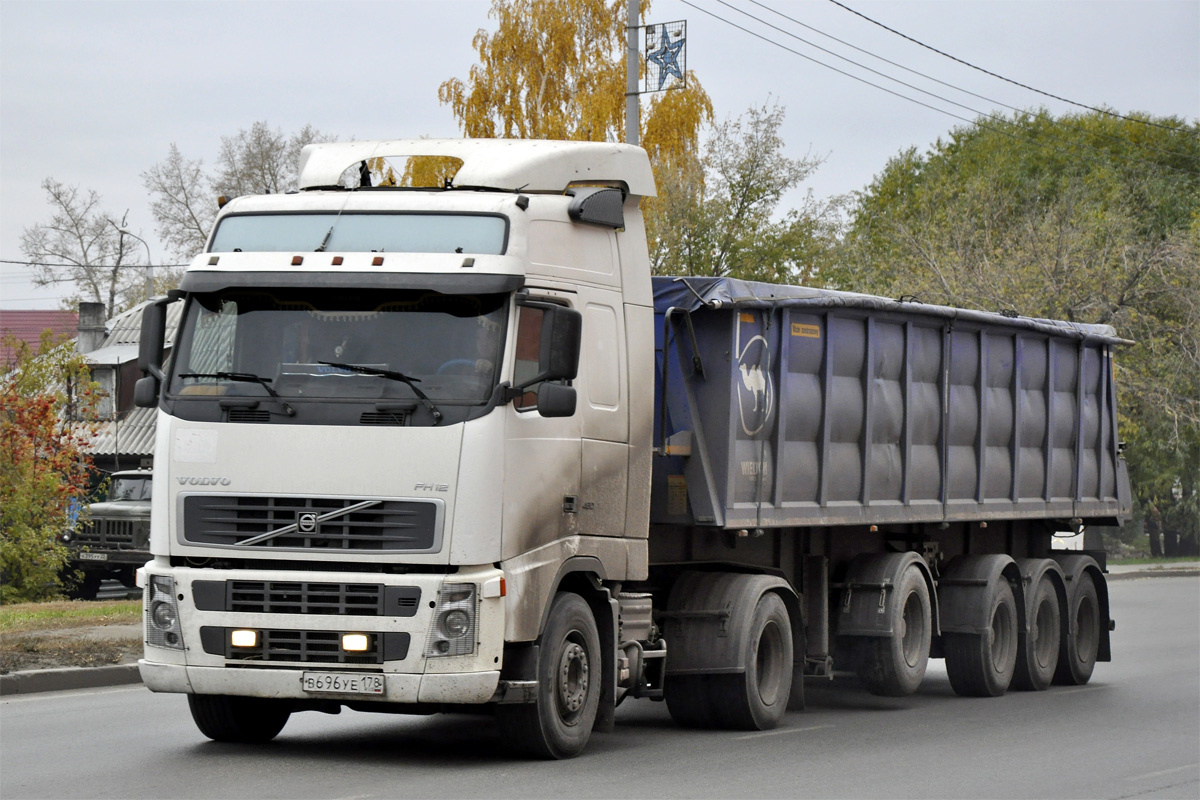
pixel 291 351
pixel 477 234
pixel 126 487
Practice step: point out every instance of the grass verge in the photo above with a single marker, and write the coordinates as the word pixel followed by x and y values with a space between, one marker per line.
pixel 57 634
pixel 22 617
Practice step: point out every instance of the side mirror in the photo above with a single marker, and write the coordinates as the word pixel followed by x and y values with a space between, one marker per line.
pixel 150 347
pixel 561 334
pixel 145 392
pixel 556 400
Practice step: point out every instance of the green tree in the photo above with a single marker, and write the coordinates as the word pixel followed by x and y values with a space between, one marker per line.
pixel 716 213
pixel 44 464
pixel 1083 217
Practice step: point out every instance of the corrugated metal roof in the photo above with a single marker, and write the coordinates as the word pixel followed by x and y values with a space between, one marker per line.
pixel 126 328
pixel 131 436
pixel 112 356
pixel 134 434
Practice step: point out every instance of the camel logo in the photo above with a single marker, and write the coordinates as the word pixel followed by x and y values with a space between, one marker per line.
pixel 756 391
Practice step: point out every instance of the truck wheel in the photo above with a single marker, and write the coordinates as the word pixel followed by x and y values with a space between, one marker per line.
pixel 86 585
pixel 1077 654
pixel 755 700
pixel 238 719
pixel 894 666
pixel 1037 651
pixel 982 664
pixel 569 674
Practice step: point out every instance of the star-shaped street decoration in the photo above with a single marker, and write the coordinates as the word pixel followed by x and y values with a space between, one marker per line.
pixel 667 58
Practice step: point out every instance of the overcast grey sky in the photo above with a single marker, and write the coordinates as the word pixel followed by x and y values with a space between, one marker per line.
pixel 94 93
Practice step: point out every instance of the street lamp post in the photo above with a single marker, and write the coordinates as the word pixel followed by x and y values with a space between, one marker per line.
pixel 149 257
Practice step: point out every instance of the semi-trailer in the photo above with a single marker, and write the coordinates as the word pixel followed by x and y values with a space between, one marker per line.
pixel 425 449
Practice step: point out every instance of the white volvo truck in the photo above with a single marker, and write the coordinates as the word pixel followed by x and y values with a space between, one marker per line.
pixel 437 449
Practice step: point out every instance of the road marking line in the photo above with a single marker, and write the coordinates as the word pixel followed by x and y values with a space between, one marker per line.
pixel 1162 772
pixel 781 731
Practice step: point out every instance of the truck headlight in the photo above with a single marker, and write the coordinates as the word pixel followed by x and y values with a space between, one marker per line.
pixel 162 614
pixel 453 629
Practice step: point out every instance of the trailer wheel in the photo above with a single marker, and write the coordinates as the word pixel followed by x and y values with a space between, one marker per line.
pixel 982 664
pixel 755 700
pixel 1077 654
pixel 238 719
pixel 1037 651
pixel 894 666
pixel 569 672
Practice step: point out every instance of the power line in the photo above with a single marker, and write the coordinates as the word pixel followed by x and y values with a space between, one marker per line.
pixel 1001 77
pixel 864 51
pixel 85 266
pixel 1022 136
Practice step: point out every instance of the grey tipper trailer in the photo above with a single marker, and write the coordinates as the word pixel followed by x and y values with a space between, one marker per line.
pixel 904 466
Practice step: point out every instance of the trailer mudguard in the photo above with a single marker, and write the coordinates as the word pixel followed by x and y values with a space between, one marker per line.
pixel 963 592
pixel 868 593
pixel 707 617
pixel 1074 566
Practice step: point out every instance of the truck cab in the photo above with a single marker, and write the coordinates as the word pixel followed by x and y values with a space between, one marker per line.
pixel 113 540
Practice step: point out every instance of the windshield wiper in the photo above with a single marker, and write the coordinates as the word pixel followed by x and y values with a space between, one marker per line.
pixel 325 241
pixel 244 377
pixel 395 376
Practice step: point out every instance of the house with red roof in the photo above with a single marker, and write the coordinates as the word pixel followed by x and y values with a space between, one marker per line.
pixel 27 326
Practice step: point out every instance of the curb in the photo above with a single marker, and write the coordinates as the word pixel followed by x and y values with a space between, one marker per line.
pixel 62 679
pixel 66 678
pixel 1161 572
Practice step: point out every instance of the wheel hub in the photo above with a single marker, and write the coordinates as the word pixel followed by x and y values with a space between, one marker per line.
pixel 573 677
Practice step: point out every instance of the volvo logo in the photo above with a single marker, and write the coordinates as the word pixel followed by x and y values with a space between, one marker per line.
pixel 306 521
pixel 196 481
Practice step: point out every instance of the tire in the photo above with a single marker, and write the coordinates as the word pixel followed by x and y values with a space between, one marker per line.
pixel 1038 650
pixel 569 674
pixel 1078 651
pixel 238 719
pixel 756 700
pixel 982 665
pixel 894 666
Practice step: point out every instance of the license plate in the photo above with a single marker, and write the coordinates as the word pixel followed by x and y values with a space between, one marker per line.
pixel 93 556
pixel 341 683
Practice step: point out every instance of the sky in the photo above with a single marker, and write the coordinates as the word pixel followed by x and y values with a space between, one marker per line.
pixel 94 93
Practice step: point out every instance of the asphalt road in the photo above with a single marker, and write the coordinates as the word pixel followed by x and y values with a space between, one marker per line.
pixel 1134 731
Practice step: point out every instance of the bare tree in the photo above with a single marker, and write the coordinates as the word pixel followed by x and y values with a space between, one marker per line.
pixel 181 203
pixel 256 160
pixel 84 245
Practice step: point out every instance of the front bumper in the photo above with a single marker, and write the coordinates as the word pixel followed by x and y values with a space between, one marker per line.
pixel 463 687
pixel 298 606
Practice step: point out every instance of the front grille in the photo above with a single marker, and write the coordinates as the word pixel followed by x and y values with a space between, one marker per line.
pixel 305 598
pixel 304 647
pixel 309 523
pixel 300 597
pixel 114 534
